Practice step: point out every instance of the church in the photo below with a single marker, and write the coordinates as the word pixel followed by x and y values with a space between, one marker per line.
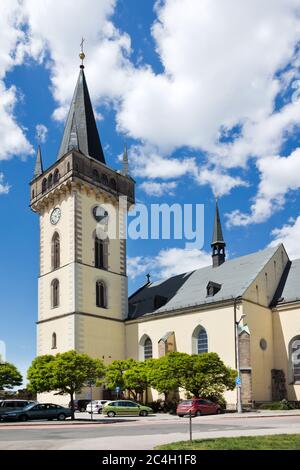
pixel 245 309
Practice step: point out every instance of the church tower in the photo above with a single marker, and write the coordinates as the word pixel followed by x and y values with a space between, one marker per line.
pixel 82 285
pixel 218 244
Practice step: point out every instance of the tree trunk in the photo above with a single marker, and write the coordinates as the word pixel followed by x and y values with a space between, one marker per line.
pixel 72 405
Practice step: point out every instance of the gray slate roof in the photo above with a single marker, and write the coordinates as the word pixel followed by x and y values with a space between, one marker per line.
pixel 189 289
pixel 81 131
pixel 291 289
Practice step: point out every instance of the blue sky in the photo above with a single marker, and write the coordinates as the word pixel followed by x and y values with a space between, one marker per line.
pixel 206 98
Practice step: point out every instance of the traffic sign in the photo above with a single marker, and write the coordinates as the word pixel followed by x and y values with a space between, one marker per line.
pixel 117 389
pixel 238 381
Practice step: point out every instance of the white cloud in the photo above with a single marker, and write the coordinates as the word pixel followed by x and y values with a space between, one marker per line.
pixel 4 187
pixel 168 262
pixel 289 236
pixel 219 180
pixel 41 133
pixel 153 188
pixel 278 175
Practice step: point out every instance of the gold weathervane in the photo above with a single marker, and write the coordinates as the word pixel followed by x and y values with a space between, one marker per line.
pixel 82 54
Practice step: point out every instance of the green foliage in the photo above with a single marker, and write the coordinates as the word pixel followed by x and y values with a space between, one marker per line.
pixel 129 375
pixel 207 376
pixel 66 373
pixel 168 372
pixel 280 405
pixel 10 377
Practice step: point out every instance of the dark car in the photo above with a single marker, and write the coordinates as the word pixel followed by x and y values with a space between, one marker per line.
pixel 198 407
pixel 12 405
pixel 38 411
pixel 80 405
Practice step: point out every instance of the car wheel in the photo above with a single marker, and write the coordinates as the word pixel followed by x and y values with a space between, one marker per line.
pixel 143 413
pixel 198 413
pixel 23 418
pixel 180 416
pixel 61 417
pixel 111 414
pixel 100 411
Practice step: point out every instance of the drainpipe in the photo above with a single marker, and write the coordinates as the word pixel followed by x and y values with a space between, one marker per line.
pixel 237 355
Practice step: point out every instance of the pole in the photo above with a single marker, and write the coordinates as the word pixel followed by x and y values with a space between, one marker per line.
pixel 237 357
pixel 190 420
pixel 91 385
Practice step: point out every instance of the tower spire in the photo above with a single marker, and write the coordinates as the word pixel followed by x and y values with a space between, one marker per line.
pixel 81 131
pixel 218 244
pixel 38 170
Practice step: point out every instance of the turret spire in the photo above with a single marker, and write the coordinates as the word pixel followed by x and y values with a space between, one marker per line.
pixel 125 169
pixel 38 171
pixel 81 131
pixel 218 244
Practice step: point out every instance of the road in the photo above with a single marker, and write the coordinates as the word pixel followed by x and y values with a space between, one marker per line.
pixel 138 433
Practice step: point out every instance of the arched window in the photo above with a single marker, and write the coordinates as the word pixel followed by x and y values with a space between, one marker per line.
pixel 55 293
pixel 104 179
pixel 44 185
pixel 101 253
pixel 68 167
pixel 50 180
pixel 56 176
pixel 295 359
pixel 148 349
pixel 32 194
pixel 199 340
pixel 54 341
pixel 55 251
pixel 101 297
pixel 96 176
pixel 113 184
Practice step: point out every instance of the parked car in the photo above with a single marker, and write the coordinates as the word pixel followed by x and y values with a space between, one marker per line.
pixel 12 405
pixel 80 405
pixel 96 406
pixel 125 407
pixel 198 407
pixel 38 411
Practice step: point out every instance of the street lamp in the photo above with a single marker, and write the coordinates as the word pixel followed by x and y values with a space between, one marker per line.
pixel 237 355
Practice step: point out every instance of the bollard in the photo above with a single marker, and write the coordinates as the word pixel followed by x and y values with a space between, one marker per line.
pixel 191 431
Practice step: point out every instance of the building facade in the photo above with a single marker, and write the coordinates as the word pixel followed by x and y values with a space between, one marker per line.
pixel 83 298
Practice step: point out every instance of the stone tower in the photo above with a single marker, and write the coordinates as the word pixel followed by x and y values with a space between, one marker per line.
pixel 82 281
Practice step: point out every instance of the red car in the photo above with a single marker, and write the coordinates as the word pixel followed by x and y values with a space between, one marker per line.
pixel 198 407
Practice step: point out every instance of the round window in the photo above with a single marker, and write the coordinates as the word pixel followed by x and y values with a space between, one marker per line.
pixel 263 344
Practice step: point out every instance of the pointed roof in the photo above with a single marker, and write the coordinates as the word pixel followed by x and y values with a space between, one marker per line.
pixel 217 233
pixel 38 170
pixel 125 168
pixel 81 131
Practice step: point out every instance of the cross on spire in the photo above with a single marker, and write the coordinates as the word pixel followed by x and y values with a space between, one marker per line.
pixel 82 54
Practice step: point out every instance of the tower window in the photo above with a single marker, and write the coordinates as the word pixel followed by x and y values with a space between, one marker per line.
pixel 54 341
pixel 68 167
pixel 104 180
pixel 56 176
pixel 55 293
pixel 148 353
pixel 96 176
pixel 101 297
pixel 44 185
pixel 55 251
pixel 113 184
pixel 50 180
pixel 101 253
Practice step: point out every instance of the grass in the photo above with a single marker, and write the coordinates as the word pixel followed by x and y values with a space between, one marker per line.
pixel 274 442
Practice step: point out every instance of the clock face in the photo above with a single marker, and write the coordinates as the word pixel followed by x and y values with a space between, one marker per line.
pixel 55 216
pixel 100 215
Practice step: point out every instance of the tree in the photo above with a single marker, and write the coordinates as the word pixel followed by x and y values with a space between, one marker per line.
pixel 10 377
pixel 115 373
pixel 136 378
pixel 207 376
pixel 66 373
pixel 167 373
